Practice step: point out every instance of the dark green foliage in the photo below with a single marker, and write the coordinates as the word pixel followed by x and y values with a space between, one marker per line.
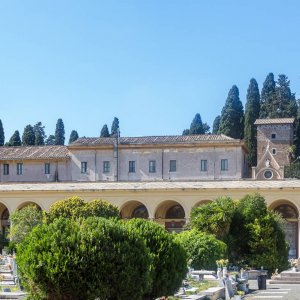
pixel 28 137
pixel 115 128
pixel 15 139
pixel 232 116
pixel 214 217
pixel 169 264
pixel 60 133
pixel 206 128
pixel 186 132
pixel 216 125
pixel 75 207
pixel 251 115
pixel 2 138
pixel 203 249
pixel 197 125
pixel 104 131
pixel 293 170
pixel 23 221
pixel 85 259
pixel 50 141
pixel 268 95
pixel 73 136
pixel 39 133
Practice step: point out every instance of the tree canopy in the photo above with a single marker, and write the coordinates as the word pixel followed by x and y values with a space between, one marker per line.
pixel 28 137
pixel 216 125
pixel 73 136
pixel 60 133
pixel 39 133
pixel 15 139
pixel 115 127
pixel 2 138
pixel 104 131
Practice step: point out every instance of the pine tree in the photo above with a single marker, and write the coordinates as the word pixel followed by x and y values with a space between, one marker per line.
pixel 60 133
pixel 206 128
pixel 50 141
pixel 2 138
pixel 28 137
pixel 39 134
pixel 186 132
pixel 15 139
pixel 115 129
pixel 216 125
pixel 197 125
pixel 73 136
pixel 104 131
pixel 232 116
pixel 251 114
pixel 268 97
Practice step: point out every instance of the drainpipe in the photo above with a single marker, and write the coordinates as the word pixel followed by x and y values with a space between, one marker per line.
pixel 95 161
pixel 162 164
pixel 116 155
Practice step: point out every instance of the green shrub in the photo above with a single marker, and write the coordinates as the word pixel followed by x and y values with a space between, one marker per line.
pixel 203 249
pixel 84 259
pixel 169 264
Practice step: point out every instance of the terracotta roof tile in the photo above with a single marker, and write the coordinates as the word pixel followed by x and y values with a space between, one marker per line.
pixel 33 152
pixel 274 121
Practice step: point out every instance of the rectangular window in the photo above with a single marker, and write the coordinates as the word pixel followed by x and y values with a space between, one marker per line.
pixel 152 166
pixel 83 167
pixel 224 164
pixel 274 151
pixel 47 168
pixel 106 167
pixel 6 169
pixel 19 168
pixel 131 166
pixel 172 165
pixel 203 166
pixel 273 135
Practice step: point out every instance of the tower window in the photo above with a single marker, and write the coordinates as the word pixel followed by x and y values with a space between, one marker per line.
pixel 274 151
pixel 273 136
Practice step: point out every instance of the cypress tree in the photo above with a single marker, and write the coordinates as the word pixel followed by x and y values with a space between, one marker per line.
pixel 104 131
pixel 186 132
pixel 216 125
pixel 197 125
pixel 50 141
pixel 39 134
pixel 28 137
pixel 115 129
pixel 15 139
pixel 268 97
pixel 2 138
pixel 251 114
pixel 60 133
pixel 232 116
pixel 73 136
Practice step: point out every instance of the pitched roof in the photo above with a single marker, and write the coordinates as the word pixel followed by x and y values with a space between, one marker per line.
pixel 34 152
pixel 150 140
pixel 274 121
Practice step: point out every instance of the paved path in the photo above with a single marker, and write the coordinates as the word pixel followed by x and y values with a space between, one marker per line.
pixel 274 292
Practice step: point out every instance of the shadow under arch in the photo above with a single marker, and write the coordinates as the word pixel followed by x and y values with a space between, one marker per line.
pixel 171 214
pixel 290 213
pixel 5 219
pixel 134 209
pixel 202 202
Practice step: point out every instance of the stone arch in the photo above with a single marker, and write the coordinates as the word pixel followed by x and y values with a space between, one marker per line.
pixel 275 174
pixel 171 214
pixel 290 213
pixel 5 222
pixel 134 209
pixel 24 204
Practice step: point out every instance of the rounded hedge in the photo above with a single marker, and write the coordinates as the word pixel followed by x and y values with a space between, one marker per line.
pixel 84 259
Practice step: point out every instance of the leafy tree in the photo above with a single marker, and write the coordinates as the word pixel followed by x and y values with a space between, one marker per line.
pixel 23 221
pixel 50 141
pixel 75 207
pixel 203 249
pixel 28 137
pixel 216 125
pixel 2 138
pixel 73 136
pixel 15 139
pixel 92 258
pixel 169 264
pixel 268 96
pixel 60 133
pixel 251 114
pixel 104 131
pixel 206 128
pixel 39 133
pixel 186 132
pixel 115 128
pixel 232 116
pixel 197 125
pixel 214 217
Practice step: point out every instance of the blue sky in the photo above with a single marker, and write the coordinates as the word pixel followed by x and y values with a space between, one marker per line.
pixel 153 64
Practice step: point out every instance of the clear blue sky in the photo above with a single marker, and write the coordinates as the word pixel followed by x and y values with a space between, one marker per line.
pixel 152 63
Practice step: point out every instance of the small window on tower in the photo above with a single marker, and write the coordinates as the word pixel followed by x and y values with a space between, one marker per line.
pixel 274 151
pixel 273 136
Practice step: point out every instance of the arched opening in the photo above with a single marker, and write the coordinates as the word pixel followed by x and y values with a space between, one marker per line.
pixel 171 214
pixel 5 222
pixel 202 202
pixel 290 213
pixel 21 206
pixel 134 209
